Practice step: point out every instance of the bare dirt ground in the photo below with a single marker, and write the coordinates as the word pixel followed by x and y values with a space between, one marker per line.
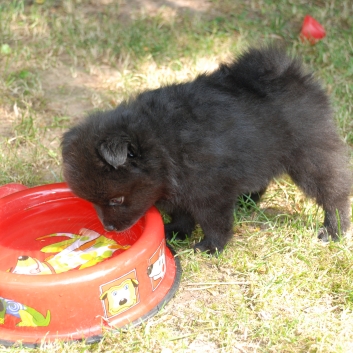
pixel 154 5
pixel 74 93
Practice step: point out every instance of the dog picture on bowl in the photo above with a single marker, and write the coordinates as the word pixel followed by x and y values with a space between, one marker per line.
pixel 120 295
pixel 194 148
pixel 82 250
pixel 157 266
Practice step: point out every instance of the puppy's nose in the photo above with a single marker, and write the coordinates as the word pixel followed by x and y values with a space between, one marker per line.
pixel 109 227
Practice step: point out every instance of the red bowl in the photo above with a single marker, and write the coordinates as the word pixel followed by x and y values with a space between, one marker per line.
pixel 63 277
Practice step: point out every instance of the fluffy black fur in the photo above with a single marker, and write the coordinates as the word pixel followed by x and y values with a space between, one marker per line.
pixel 193 148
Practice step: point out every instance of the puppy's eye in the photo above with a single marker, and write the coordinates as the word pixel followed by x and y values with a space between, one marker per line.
pixel 130 153
pixel 116 201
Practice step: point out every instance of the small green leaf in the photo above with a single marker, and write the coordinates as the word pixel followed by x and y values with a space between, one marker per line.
pixel 5 49
pixel 52 154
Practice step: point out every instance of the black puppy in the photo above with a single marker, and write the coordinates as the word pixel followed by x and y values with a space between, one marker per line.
pixel 193 148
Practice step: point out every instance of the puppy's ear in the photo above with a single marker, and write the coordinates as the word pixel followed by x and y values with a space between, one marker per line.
pixel 114 150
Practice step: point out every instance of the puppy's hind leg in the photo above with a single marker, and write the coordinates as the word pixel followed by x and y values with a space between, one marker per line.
pixel 325 176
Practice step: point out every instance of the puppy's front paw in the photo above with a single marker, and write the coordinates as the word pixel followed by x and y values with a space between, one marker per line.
pixel 324 235
pixel 172 233
pixel 208 247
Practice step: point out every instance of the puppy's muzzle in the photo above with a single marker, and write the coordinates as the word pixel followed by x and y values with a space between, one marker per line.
pixel 107 227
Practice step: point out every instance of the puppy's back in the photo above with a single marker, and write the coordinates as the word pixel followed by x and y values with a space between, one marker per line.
pixel 266 71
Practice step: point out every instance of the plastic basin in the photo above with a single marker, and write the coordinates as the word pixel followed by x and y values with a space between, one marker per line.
pixel 63 277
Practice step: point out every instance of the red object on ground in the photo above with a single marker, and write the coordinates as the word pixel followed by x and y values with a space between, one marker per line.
pixel 59 282
pixel 312 30
pixel 11 188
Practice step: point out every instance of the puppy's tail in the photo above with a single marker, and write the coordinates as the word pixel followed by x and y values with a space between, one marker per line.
pixel 266 70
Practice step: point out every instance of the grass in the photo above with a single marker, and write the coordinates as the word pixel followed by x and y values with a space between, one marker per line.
pixel 275 288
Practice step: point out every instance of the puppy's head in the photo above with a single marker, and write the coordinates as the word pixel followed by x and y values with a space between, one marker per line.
pixel 114 165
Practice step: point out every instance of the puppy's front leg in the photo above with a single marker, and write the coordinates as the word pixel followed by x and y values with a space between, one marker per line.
pixel 182 225
pixel 217 226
